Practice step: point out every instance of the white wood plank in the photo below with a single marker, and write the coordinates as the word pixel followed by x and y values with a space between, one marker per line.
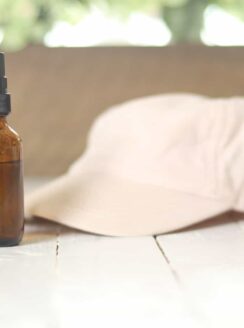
pixel 122 282
pixel 111 281
pixel 27 279
pixel 102 281
pixel 209 263
pixel 87 280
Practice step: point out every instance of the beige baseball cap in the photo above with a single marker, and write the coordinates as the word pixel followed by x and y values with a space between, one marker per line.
pixel 152 165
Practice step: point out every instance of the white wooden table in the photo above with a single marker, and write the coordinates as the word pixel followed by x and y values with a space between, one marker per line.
pixel 59 278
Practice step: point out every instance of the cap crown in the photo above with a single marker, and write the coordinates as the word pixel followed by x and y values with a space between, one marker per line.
pixel 172 141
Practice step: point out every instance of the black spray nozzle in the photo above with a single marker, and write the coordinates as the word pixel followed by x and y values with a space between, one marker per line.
pixel 4 96
pixel 3 78
pixel 2 64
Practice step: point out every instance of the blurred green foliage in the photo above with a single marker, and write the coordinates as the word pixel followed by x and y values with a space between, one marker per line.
pixel 25 22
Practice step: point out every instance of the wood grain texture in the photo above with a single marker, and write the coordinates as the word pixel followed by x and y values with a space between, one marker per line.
pixel 57 93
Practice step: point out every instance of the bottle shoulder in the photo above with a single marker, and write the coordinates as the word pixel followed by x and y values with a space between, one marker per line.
pixel 10 133
pixel 10 144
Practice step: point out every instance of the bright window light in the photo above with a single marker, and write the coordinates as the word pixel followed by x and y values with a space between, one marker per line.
pixel 99 29
pixel 221 28
pixel 145 30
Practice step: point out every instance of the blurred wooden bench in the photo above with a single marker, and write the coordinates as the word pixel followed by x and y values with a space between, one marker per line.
pixel 58 92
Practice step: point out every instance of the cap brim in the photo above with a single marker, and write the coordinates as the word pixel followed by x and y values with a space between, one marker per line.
pixel 110 205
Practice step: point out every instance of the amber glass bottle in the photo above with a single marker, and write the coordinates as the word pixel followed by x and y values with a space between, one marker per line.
pixel 11 176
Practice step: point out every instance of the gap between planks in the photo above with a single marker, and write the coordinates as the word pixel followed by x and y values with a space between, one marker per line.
pixel 209 260
pixel 167 260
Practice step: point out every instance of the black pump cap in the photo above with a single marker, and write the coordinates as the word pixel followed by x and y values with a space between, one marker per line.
pixel 5 104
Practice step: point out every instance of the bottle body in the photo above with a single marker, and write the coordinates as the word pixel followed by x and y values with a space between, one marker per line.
pixel 11 186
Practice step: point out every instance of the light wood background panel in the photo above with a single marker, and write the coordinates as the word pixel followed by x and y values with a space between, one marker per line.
pixel 57 93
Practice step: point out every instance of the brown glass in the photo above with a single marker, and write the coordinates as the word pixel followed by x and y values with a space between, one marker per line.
pixel 11 186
